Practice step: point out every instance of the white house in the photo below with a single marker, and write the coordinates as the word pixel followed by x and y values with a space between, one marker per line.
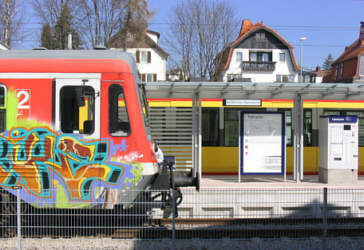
pixel 150 57
pixel 259 54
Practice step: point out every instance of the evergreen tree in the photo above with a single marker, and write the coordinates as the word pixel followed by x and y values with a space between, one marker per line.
pixel 328 62
pixel 63 28
pixel 57 37
pixel 47 40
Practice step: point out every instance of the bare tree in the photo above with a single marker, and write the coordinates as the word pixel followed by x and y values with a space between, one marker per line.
pixel 134 23
pixel 11 21
pixel 101 19
pixel 97 21
pixel 200 30
pixel 48 11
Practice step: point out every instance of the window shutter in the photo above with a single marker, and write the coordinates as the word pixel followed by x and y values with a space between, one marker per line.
pixel 154 77
pixel 138 56
pixel 143 77
pixel 149 57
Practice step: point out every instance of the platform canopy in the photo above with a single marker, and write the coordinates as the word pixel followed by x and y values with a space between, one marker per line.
pixel 249 90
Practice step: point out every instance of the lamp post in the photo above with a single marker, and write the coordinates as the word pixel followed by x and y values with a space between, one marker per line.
pixel 301 39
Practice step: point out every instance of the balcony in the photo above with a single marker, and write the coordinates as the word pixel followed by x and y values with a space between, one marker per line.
pixel 258 66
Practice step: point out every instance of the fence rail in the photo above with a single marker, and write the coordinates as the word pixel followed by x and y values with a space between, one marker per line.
pixel 204 214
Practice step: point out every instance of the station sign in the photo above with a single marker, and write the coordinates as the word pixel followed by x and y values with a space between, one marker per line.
pixel 242 102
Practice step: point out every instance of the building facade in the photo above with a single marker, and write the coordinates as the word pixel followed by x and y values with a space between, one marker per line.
pixel 151 59
pixel 259 54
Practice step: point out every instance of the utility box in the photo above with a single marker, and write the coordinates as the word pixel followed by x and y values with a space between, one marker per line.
pixel 338 149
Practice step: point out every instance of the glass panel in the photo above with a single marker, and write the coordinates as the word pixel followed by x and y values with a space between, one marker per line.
pixel 265 57
pixel 253 57
pixel 210 127
pixel 149 77
pixel 307 127
pixel 231 127
pixel 360 115
pixel 282 57
pixel 77 109
pixel 118 116
pixel 239 56
pixel 144 56
pixel 288 118
pixel 2 120
pixel 2 96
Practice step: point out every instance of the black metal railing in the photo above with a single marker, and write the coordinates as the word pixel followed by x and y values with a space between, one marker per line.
pixel 258 66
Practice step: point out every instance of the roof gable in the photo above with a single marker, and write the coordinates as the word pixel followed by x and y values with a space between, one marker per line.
pixel 117 41
pixel 248 29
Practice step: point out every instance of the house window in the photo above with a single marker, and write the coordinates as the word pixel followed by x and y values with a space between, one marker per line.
pixel 77 109
pixel 336 70
pixel 2 109
pixel 118 116
pixel 253 56
pixel 265 57
pixel 260 36
pixel 143 57
pixel 291 78
pixel 282 57
pixel 260 56
pixel 341 70
pixel 239 56
pixel 284 78
pixel 148 77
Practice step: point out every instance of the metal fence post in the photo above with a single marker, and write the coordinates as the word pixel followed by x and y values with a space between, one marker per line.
pixel 324 213
pixel 174 210
pixel 18 214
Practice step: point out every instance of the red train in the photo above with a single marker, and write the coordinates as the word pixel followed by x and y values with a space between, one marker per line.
pixel 74 130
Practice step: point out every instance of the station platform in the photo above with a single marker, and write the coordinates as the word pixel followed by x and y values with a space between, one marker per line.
pixel 269 196
pixel 270 181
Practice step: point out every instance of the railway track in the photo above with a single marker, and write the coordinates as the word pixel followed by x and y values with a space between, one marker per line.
pixel 201 228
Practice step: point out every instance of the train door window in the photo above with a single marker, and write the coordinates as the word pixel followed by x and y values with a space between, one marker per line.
pixel 2 109
pixel 119 124
pixel 210 127
pixel 307 127
pixel 288 118
pixel 77 109
pixel 231 127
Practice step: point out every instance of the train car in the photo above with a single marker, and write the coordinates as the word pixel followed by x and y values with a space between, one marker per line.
pixel 220 129
pixel 74 130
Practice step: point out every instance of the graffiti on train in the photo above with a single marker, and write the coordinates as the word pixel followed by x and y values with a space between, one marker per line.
pixel 39 160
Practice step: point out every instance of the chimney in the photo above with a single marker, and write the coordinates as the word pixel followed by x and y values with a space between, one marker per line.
pixel 245 27
pixel 318 68
pixel 361 37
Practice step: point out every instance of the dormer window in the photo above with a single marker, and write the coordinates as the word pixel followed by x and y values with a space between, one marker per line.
pixel 260 36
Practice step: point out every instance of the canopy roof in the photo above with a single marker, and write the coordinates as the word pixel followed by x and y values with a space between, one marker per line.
pixel 248 90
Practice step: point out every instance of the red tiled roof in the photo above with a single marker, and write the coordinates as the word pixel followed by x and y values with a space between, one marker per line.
pixel 353 51
pixel 349 59
pixel 247 28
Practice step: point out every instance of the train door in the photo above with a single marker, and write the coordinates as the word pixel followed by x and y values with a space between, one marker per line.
pixel 77 106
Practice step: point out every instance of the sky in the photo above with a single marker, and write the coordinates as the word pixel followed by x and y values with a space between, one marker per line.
pixel 328 25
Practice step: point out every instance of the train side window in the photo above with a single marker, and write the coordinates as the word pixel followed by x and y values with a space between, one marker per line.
pixel 77 109
pixel 2 109
pixel 119 124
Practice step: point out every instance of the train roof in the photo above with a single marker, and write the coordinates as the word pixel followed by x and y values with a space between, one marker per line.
pixel 71 54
